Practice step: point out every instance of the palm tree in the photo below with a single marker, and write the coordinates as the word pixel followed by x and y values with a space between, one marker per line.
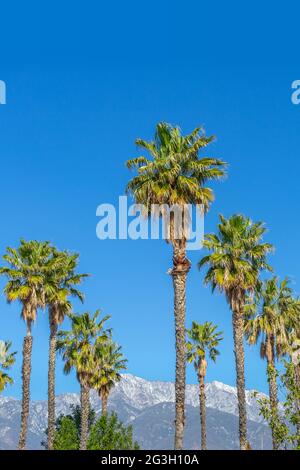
pixel 294 352
pixel 290 346
pixel 7 359
pixel 77 349
pixel 204 340
pixel 175 176
pixel 269 314
pixel 234 264
pixel 27 267
pixel 60 285
pixel 109 361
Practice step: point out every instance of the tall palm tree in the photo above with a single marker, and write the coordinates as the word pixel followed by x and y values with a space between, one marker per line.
pixel 203 340
pixel 290 346
pixel 7 359
pixel 109 362
pixel 269 313
pixel 234 264
pixel 175 175
pixel 77 349
pixel 61 284
pixel 294 353
pixel 27 267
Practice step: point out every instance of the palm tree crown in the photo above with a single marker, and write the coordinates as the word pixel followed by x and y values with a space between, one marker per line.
pixel 269 315
pixel 76 345
pixel 202 339
pixel 174 174
pixel 28 267
pixel 61 283
pixel 237 257
pixel 109 362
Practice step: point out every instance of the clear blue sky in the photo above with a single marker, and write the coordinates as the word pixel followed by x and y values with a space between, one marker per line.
pixel 84 79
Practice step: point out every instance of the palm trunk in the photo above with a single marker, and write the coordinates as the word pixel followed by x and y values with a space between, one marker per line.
pixel 26 371
pixel 104 400
pixel 85 409
pixel 51 384
pixel 271 372
pixel 179 272
pixel 238 336
pixel 297 383
pixel 202 400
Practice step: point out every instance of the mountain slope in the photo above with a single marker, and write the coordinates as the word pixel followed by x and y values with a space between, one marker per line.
pixel 148 406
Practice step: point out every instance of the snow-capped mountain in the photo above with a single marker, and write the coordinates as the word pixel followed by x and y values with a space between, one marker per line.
pixel 147 406
pixel 140 393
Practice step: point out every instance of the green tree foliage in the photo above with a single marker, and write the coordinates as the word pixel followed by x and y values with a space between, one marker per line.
pixel 7 359
pixel 66 437
pixel 109 362
pixel 67 430
pixel 108 433
pixel 284 424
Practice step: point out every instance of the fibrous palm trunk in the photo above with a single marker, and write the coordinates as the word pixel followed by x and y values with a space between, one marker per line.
pixel 85 409
pixel 26 371
pixel 202 400
pixel 51 384
pixel 271 372
pixel 104 401
pixel 179 272
pixel 297 383
pixel 238 336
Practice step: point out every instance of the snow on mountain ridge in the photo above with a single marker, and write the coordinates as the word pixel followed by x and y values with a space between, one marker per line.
pixel 141 393
pixel 138 394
